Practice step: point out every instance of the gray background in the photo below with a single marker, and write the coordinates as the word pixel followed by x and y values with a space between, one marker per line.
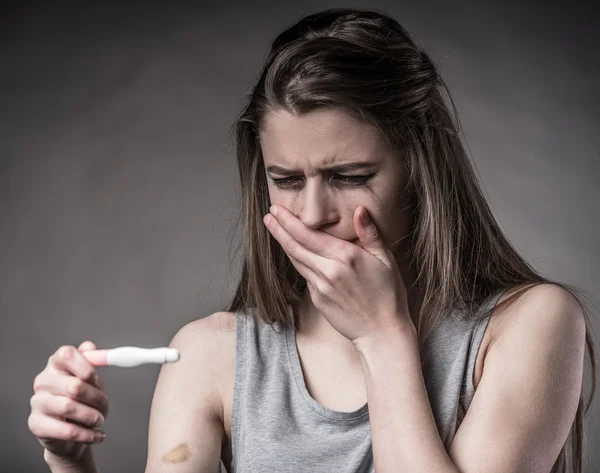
pixel 118 183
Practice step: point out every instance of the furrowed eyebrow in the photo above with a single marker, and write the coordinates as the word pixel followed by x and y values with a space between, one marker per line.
pixel 334 169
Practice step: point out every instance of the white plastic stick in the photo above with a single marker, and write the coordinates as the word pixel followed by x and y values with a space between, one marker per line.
pixel 131 356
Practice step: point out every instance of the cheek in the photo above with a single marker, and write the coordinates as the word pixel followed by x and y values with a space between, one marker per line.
pixel 277 196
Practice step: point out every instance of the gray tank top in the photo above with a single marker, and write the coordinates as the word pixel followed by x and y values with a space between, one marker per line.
pixel 276 425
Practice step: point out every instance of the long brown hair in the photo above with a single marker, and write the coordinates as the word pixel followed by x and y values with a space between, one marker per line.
pixel 366 62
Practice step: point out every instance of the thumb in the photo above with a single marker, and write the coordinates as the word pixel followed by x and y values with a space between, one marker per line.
pixel 97 381
pixel 369 235
pixel 87 346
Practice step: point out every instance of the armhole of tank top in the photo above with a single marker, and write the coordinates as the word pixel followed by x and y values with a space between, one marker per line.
pixel 240 368
pixel 477 338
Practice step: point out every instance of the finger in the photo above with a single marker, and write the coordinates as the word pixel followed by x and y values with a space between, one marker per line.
pixel 70 360
pixel 48 429
pixel 294 249
pixel 306 272
pixel 318 242
pixel 75 388
pixel 370 236
pixel 86 346
pixel 67 409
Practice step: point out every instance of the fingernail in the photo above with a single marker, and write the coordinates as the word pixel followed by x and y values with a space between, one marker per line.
pixel 99 436
pixel 273 210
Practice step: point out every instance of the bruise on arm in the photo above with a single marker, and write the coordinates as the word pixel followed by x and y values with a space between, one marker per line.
pixel 177 454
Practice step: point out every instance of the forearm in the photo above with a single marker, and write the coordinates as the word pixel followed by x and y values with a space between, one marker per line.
pixel 403 430
pixel 85 464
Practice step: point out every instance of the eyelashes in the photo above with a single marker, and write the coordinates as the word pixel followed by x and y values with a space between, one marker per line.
pixel 353 181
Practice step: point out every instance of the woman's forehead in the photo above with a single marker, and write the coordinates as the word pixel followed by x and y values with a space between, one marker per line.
pixel 333 120
pixel 320 139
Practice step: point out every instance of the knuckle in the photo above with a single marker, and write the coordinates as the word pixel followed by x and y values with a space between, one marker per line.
pixel 311 241
pixel 334 280
pixel 90 376
pixel 34 427
pixel 32 424
pixel 342 258
pixel 347 257
pixel 305 238
pixel 76 388
pixel 36 383
pixel 71 432
pixel 67 406
pixel 352 260
pixel 66 352
pixel 322 286
pixel 293 250
pixel 99 420
pixel 334 275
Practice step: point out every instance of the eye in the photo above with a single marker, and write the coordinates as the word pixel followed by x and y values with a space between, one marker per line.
pixel 350 180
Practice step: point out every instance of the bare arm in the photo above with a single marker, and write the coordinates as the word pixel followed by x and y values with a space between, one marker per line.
pixel 186 426
pixel 527 398
pixel 186 430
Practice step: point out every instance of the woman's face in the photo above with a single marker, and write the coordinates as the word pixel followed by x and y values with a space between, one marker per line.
pixel 304 152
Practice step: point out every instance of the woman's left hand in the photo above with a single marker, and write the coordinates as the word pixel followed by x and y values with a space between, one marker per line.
pixel 358 290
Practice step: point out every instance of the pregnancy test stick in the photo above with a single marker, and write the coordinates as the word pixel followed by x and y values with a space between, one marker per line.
pixel 131 356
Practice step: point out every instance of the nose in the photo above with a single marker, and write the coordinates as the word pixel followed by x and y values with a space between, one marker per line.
pixel 317 209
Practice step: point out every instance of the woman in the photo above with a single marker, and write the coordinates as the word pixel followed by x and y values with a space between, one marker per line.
pixel 382 322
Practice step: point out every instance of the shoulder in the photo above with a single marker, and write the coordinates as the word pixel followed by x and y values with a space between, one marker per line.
pixel 209 343
pixel 546 309
pixel 211 329
pixel 541 332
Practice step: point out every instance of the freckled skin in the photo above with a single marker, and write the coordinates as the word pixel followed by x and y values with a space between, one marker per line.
pixel 178 454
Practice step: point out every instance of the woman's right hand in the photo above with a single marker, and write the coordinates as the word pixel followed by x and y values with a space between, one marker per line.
pixel 69 403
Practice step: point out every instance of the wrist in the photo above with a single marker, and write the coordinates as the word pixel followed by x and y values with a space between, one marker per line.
pixel 402 334
pixel 80 463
